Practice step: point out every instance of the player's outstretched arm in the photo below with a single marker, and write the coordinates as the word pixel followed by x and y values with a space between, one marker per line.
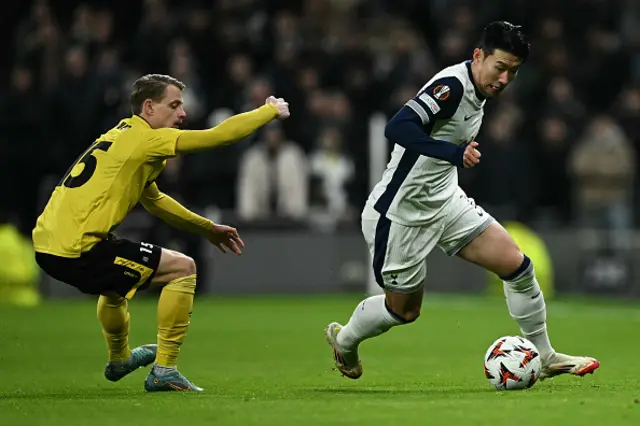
pixel 175 214
pixel 172 212
pixel 234 128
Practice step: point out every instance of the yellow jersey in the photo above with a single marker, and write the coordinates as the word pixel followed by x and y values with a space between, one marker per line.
pixel 102 187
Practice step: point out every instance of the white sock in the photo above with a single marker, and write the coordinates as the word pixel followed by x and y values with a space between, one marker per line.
pixel 370 318
pixel 526 305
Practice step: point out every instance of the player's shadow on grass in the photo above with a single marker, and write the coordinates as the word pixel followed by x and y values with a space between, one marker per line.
pixel 71 394
pixel 431 391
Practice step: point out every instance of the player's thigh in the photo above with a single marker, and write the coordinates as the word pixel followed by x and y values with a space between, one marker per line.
pixel 464 221
pixel 477 237
pixel 173 265
pixel 399 253
pixel 494 250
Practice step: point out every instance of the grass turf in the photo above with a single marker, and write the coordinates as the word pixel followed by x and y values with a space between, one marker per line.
pixel 263 361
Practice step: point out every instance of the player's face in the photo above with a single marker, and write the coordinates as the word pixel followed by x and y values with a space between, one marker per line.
pixel 496 71
pixel 169 112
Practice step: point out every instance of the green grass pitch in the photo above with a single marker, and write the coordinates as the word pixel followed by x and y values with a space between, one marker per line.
pixel 263 361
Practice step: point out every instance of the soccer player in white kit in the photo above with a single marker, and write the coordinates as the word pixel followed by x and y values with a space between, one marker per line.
pixel 418 205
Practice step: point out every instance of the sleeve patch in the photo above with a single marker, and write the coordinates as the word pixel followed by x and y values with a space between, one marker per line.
pixel 430 102
pixel 441 92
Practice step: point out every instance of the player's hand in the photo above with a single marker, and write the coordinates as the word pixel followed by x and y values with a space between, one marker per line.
pixel 226 237
pixel 281 105
pixel 471 155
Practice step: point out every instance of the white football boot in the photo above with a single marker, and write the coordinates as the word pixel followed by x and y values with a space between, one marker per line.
pixel 347 362
pixel 556 364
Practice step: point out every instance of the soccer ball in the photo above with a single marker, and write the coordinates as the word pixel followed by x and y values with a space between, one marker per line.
pixel 512 362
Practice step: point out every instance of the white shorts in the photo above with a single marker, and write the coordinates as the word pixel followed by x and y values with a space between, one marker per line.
pixel 399 252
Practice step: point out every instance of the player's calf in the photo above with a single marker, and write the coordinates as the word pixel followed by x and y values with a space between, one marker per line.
pixel 376 315
pixel 372 317
pixel 113 315
pixel 177 274
pixel 527 306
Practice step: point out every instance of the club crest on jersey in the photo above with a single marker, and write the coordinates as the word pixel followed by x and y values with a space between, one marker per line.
pixel 441 92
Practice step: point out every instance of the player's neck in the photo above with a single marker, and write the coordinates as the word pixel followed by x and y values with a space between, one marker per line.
pixel 473 72
pixel 145 118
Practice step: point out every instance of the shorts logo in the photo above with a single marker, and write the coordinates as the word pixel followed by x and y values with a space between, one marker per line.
pixel 442 92
pixel 131 268
pixel 430 102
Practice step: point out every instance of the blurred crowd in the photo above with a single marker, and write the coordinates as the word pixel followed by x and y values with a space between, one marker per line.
pixel 560 147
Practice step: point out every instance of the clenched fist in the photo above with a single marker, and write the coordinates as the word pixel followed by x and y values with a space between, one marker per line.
pixel 471 155
pixel 281 105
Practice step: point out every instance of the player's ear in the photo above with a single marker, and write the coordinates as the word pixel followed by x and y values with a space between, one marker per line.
pixel 478 55
pixel 147 106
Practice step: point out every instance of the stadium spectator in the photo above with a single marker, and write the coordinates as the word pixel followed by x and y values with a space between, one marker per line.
pixel 273 179
pixel 332 173
pixel 603 166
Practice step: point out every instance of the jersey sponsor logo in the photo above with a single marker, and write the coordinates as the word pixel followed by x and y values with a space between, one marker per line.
pixel 442 92
pixel 430 102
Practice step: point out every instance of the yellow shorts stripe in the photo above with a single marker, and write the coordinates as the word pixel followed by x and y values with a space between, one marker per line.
pixel 144 271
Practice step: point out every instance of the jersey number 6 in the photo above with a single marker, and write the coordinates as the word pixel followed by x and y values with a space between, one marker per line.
pixel 90 163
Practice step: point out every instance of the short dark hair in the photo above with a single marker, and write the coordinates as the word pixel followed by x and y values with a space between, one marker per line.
pixel 505 36
pixel 151 86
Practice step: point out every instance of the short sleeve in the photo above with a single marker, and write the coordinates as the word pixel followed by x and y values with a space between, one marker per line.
pixel 438 100
pixel 161 143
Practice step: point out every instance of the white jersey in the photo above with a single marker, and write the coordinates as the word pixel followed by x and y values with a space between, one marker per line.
pixel 414 188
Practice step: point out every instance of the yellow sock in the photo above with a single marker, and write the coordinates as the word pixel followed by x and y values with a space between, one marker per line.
pixel 174 314
pixel 113 315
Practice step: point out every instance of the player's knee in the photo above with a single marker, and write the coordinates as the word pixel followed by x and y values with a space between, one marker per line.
pixel 173 266
pixel 404 307
pixel 407 316
pixel 187 266
pixel 111 300
pixel 401 312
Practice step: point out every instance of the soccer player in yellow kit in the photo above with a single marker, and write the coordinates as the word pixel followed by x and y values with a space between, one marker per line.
pixel 73 236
